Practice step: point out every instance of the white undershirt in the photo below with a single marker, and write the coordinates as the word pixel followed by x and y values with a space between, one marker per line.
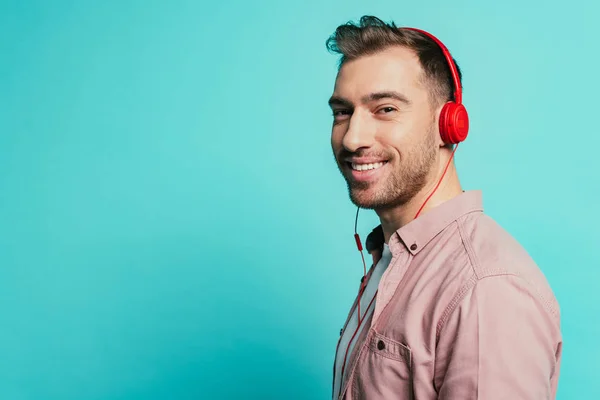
pixel 366 298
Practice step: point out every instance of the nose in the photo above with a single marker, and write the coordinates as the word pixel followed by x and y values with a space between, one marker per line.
pixel 359 133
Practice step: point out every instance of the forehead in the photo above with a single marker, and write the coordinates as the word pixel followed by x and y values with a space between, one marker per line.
pixel 396 68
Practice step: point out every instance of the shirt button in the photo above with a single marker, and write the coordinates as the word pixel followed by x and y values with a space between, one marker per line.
pixel 380 345
pixel 413 246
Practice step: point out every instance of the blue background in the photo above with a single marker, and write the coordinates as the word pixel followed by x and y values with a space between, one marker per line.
pixel 172 223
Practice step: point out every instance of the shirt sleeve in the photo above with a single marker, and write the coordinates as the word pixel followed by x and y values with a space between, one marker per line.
pixel 501 341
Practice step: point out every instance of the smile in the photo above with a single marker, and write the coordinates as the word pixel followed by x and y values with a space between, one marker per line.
pixel 366 167
pixel 366 171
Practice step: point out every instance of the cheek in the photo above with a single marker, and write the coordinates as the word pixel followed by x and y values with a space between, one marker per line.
pixel 337 137
pixel 394 138
pixel 404 133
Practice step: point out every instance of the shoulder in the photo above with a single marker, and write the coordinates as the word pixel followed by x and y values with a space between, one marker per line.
pixel 499 260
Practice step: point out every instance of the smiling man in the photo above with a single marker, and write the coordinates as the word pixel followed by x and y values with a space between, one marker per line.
pixel 453 307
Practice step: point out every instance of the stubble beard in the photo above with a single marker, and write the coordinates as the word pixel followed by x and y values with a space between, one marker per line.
pixel 407 179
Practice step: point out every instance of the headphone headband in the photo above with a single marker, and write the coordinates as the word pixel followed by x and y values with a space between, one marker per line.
pixel 450 61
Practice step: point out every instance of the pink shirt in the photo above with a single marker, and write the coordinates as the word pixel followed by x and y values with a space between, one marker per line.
pixel 462 313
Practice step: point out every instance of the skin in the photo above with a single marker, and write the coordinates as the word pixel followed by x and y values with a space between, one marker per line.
pixel 383 111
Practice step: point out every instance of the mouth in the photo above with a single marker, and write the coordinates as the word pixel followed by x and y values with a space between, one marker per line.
pixel 366 171
pixel 366 167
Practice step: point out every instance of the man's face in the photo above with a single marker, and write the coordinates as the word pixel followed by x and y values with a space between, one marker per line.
pixel 384 134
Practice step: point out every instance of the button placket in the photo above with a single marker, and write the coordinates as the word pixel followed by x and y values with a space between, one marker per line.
pixel 390 280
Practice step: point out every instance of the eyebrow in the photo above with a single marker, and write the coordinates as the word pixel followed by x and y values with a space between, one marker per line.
pixel 385 95
pixel 340 101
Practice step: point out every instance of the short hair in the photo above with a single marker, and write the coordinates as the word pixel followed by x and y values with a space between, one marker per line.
pixel 372 35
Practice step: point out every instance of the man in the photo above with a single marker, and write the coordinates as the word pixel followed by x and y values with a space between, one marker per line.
pixel 452 307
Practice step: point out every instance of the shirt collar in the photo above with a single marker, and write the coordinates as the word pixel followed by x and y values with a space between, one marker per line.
pixel 416 234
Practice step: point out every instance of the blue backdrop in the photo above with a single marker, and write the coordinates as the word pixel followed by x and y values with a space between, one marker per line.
pixel 172 223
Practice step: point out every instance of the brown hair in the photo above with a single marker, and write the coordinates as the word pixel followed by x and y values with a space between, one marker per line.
pixel 372 35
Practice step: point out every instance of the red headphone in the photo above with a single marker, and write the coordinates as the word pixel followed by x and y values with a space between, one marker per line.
pixel 454 128
pixel 454 120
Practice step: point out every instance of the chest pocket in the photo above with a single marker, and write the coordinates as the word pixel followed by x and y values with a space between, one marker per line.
pixel 384 370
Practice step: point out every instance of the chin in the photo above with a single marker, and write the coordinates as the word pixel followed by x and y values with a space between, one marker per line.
pixel 369 199
pixel 365 199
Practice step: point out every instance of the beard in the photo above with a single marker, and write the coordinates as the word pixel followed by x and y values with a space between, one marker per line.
pixel 401 184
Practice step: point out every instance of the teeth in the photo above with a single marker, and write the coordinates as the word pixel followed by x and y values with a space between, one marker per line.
pixel 366 167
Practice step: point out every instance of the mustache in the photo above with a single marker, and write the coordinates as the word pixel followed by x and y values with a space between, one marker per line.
pixel 343 154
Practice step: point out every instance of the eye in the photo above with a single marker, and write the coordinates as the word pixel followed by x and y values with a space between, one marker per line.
pixel 341 114
pixel 386 110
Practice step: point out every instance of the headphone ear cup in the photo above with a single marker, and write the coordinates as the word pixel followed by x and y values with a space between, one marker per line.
pixel 454 123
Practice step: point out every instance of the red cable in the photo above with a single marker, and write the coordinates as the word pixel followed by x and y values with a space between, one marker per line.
pixel 356 331
pixel 438 184
pixel 363 284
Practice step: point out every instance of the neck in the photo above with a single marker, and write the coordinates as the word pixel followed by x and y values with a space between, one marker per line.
pixel 393 219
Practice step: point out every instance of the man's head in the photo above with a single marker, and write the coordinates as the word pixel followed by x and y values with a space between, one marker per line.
pixel 390 88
